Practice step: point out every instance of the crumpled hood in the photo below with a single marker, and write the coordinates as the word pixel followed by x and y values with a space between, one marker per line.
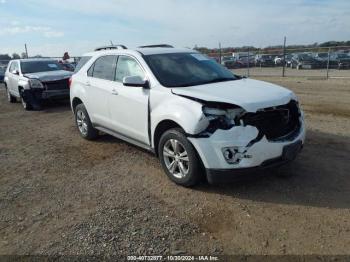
pixel 50 75
pixel 249 94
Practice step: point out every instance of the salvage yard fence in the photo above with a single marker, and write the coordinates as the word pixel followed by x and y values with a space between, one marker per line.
pixel 313 62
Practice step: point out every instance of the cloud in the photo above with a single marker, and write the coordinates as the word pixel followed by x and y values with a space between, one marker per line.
pixel 177 22
pixel 15 29
pixel 53 34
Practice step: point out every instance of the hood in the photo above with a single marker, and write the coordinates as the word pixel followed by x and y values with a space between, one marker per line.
pixel 50 75
pixel 249 94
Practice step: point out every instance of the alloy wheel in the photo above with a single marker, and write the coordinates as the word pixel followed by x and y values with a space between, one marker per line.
pixel 82 122
pixel 176 158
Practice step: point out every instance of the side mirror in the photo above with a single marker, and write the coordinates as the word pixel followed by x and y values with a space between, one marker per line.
pixel 135 81
pixel 15 72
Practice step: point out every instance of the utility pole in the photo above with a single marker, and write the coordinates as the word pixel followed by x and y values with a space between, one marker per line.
pixel 219 52
pixel 329 54
pixel 284 57
pixel 25 47
pixel 248 61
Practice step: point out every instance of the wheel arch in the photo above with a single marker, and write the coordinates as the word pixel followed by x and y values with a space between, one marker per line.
pixel 75 102
pixel 162 127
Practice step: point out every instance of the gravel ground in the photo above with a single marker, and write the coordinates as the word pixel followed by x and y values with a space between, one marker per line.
pixel 60 194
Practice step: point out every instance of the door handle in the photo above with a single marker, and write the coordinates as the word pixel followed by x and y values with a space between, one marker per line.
pixel 114 92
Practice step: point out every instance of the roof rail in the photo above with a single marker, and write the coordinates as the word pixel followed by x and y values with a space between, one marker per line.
pixel 111 47
pixel 154 46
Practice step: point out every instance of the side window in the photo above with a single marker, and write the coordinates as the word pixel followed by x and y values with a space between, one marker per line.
pixel 128 66
pixel 16 67
pixel 12 67
pixel 81 63
pixel 91 70
pixel 104 67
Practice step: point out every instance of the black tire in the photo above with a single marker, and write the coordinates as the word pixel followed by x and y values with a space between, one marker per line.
pixel 91 132
pixel 10 98
pixel 26 105
pixel 193 176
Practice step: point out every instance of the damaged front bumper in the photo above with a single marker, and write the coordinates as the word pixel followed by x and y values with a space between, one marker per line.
pixel 229 154
pixel 39 93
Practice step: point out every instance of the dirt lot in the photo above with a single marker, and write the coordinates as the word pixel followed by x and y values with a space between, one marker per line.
pixel 60 194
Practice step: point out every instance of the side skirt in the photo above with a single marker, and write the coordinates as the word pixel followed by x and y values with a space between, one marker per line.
pixel 125 138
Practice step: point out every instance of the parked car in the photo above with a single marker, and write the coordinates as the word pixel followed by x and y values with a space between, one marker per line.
pixel 339 61
pixel 264 60
pixel 2 74
pixel 304 61
pixel 243 61
pixel 230 62
pixel 278 60
pixel 188 110
pixel 33 80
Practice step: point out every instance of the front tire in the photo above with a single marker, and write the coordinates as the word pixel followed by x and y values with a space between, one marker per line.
pixel 179 158
pixel 84 124
pixel 26 105
pixel 10 97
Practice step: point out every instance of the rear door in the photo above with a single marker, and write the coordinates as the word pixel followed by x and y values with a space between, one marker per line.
pixel 99 84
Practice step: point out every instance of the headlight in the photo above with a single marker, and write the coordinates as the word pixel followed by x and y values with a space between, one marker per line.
pixel 222 118
pixel 35 83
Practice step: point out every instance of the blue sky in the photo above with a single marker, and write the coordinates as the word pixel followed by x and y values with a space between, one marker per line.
pixel 50 27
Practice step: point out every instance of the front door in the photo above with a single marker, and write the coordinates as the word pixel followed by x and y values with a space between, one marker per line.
pixel 129 105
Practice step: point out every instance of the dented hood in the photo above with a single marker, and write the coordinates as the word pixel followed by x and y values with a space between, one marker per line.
pixel 249 94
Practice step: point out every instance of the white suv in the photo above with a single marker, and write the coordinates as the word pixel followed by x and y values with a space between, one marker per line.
pixel 187 109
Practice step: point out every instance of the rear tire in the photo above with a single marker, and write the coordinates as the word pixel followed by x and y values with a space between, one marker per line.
pixel 84 124
pixel 179 158
pixel 10 98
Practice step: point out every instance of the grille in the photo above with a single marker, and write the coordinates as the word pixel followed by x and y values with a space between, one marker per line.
pixel 57 85
pixel 275 123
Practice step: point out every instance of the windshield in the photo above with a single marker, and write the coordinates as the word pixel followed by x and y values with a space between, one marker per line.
pixel 39 66
pixel 187 69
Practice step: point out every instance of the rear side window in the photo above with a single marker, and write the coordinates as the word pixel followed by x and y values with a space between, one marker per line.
pixel 81 63
pixel 104 68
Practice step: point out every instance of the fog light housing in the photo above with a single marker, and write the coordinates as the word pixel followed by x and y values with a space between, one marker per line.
pixel 234 155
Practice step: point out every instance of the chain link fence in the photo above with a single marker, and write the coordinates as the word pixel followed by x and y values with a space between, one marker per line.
pixel 320 62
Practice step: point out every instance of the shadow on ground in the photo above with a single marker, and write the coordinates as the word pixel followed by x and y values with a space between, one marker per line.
pixel 319 177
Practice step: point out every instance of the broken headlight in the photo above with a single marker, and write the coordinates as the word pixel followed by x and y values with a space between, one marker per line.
pixel 222 118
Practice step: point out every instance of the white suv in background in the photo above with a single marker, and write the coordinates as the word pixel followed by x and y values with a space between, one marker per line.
pixel 187 109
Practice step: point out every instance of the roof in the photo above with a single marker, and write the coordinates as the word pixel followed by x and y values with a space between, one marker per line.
pixel 144 51
pixel 162 50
